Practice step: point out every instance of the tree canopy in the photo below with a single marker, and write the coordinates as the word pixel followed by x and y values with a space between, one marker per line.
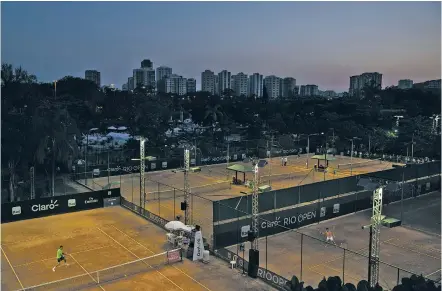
pixel 44 121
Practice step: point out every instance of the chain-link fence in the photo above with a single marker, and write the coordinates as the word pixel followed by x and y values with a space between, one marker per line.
pixel 41 187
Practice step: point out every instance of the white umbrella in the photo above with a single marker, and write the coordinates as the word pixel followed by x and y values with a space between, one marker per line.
pixel 187 228
pixel 174 225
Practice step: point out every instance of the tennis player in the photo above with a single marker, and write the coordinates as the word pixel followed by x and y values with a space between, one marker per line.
pixel 60 257
pixel 329 236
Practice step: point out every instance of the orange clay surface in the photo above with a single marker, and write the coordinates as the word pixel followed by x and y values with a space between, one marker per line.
pixel 279 177
pixel 98 239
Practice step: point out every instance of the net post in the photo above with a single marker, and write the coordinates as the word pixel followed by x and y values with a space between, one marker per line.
pixel 174 203
pixel 343 268
pixel 302 239
pixel 98 277
pixel 167 257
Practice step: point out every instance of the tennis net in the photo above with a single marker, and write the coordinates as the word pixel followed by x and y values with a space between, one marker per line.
pixel 359 164
pixel 203 189
pixel 110 274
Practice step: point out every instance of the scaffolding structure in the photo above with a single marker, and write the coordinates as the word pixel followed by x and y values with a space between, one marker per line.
pixel 142 169
pixel 375 242
pixel 255 208
pixel 187 190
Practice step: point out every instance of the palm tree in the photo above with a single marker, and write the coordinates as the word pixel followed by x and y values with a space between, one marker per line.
pixel 17 75
pixel 17 89
pixel 55 135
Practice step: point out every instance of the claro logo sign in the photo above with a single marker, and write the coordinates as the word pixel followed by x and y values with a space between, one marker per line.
pixel 91 200
pixel 45 207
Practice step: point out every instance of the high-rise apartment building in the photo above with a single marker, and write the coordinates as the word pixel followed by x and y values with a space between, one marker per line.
pixel 296 91
pixel 163 72
pixel 146 64
pixel 354 85
pixel 208 81
pixel 94 76
pixel 431 85
pixel 405 84
pixel 173 84
pixel 308 90
pixel 255 85
pixel 130 83
pixel 358 83
pixel 273 86
pixel 216 86
pixel 240 84
pixel 144 77
pixel 224 78
pixel 191 85
pixel 288 87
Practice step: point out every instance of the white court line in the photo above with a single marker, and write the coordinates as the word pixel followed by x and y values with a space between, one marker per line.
pixel 9 262
pixel 94 249
pixel 428 275
pixel 86 272
pixel 140 258
pixel 205 287
pixel 412 250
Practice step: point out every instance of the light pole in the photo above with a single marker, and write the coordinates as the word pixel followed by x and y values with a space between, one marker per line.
pixel 55 89
pixel 369 144
pixel 351 155
pixel 85 153
pixel 333 143
pixel 412 146
pixel 142 169
pixel 308 146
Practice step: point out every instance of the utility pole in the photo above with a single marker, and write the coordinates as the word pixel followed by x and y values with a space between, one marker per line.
pixel 412 146
pixel 32 173
pixel 108 168
pixel 227 159
pixel 187 193
pixel 351 155
pixel 53 166
pixel 369 144
pixel 194 140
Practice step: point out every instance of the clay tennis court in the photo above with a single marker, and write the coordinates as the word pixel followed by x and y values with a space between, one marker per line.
pixel 405 247
pixel 99 239
pixel 213 184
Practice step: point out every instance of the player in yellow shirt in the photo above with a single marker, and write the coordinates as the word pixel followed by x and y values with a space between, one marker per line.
pixel 60 257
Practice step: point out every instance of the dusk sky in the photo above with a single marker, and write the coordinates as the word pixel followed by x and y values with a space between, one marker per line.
pixel 319 43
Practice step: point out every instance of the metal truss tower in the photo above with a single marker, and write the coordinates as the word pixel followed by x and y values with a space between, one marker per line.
pixel 376 220
pixel 187 190
pixel 255 209
pixel 142 183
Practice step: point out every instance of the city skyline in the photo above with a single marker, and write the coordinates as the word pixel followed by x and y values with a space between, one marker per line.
pixel 327 42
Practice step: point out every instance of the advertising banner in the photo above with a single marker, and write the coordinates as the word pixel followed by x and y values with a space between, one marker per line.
pixel 198 246
pixel 267 276
pixel 46 206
